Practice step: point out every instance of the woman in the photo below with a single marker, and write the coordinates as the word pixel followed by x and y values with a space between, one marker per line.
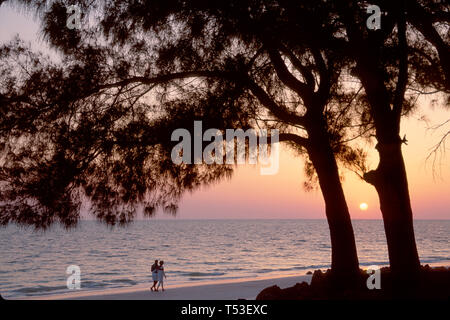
pixel 154 275
pixel 161 275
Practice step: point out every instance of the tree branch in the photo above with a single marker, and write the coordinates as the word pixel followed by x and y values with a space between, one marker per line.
pixel 305 71
pixel 303 142
pixel 423 22
pixel 288 79
pixel 323 92
pixel 240 78
pixel 402 69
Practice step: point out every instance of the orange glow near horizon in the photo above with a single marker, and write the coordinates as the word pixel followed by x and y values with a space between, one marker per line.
pixel 250 195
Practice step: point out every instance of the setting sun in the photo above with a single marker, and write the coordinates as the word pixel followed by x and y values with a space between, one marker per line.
pixel 363 206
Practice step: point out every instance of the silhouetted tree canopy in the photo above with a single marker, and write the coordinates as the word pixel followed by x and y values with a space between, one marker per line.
pixel 95 126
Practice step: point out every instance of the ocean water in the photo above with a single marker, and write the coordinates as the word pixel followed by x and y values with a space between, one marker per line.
pixel 34 262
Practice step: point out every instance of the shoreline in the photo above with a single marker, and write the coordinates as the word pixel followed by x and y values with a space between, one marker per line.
pixel 227 289
pixel 232 289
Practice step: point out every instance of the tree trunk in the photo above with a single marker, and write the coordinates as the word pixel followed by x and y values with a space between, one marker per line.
pixel 386 108
pixel 344 260
pixel 391 184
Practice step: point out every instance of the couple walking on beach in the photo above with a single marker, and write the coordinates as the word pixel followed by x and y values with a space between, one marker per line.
pixel 158 275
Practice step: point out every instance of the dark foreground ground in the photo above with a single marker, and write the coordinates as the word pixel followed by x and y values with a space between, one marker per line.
pixel 430 284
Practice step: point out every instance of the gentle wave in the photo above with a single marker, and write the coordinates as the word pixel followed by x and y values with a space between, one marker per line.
pixel 40 289
pixel 320 266
pixel 203 274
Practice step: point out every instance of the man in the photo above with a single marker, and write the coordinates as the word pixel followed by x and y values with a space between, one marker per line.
pixel 154 276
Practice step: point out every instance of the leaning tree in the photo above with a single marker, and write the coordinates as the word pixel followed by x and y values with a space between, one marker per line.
pixel 95 127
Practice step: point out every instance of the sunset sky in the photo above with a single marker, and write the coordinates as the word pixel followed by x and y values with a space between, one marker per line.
pixel 251 195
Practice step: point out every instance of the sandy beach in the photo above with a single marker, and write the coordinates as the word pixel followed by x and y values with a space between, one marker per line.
pixel 217 290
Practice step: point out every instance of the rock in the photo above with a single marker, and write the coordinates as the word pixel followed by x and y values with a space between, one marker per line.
pixel 270 293
pixel 318 278
pixel 431 284
pixel 298 291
